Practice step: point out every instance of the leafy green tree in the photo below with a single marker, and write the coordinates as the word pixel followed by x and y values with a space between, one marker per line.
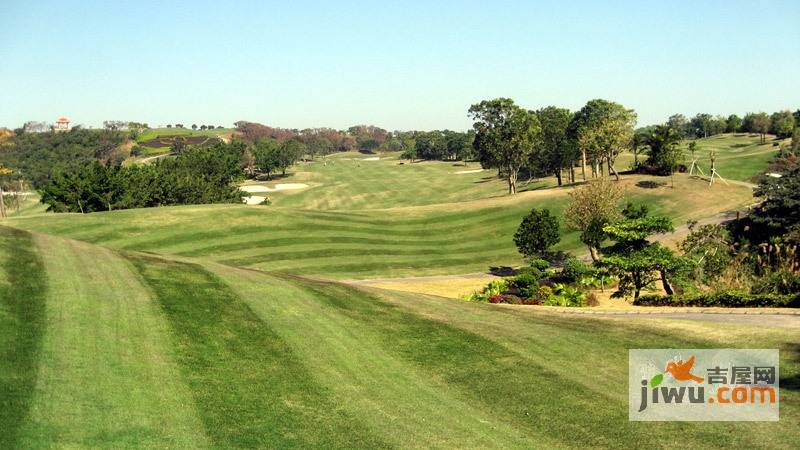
pixel 557 153
pixel 664 152
pixel 178 145
pixel 733 123
pixel 409 153
pixel 505 136
pixel 681 123
pixel 430 145
pixel 710 248
pixel 593 206
pixel 782 124
pixel 780 210
pixel 602 130
pixel 637 262
pixel 537 233
pixel 289 153
pixel 701 125
pixel 197 175
pixel 267 157
pixel 757 123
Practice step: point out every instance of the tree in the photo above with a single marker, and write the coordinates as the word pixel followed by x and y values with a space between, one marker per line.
pixel 681 123
pixel 410 153
pixel 635 261
pixel 178 145
pixel 709 246
pixel 780 210
pixel 757 123
pixel 289 153
pixel 505 136
pixel 266 154
pixel 557 153
pixel 733 123
pixel 701 125
pixel 602 130
pixel 664 152
pixel 593 206
pixel 782 124
pixel 537 233
pixel 194 126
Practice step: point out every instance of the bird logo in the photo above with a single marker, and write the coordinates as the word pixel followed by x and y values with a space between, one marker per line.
pixel 681 370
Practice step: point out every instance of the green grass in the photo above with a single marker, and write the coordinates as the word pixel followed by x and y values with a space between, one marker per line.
pixel 219 342
pixel 349 181
pixel 22 291
pixel 139 351
pixel 739 156
pixel 426 240
pixel 248 386
pixel 153 133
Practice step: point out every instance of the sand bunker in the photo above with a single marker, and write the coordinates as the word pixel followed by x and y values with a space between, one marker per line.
pixel 371 158
pixel 469 171
pixel 254 200
pixel 278 187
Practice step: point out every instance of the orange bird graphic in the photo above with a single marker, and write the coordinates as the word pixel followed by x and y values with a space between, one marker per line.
pixel 681 370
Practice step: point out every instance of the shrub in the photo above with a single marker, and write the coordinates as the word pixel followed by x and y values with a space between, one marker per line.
pixel 526 283
pixel 507 299
pixel 539 264
pixel 730 299
pixel 494 288
pixel 778 282
pixel 537 233
pixel 574 269
pixel 591 299
pixel 566 296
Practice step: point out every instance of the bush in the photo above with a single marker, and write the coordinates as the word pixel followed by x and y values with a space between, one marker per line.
pixel 494 288
pixel 509 299
pixel 574 269
pixel 526 283
pixel 537 233
pixel 729 299
pixel 566 296
pixel 779 282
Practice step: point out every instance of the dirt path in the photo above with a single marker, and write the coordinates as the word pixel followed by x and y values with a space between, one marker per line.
pixel 150 158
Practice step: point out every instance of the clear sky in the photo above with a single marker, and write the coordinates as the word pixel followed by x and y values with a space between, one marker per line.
pixel 398 65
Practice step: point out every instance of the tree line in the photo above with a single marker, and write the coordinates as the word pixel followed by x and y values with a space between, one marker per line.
pixel 197 175
pixel 556 141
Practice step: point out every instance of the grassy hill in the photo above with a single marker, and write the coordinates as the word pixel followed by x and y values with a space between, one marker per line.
pixel 117 349
pixel 156 141
pixel 405 241
pixel 739 156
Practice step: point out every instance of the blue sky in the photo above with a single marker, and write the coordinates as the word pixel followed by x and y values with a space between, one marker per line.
pixel 398 65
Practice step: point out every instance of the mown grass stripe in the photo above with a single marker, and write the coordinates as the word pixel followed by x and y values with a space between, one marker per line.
pixel 22 313
pixel 499 379
pixel 250 388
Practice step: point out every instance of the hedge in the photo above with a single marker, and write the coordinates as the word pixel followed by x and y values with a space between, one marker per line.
pixel 729 299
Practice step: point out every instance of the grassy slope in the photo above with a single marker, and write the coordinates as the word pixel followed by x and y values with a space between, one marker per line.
pixel 156 132
pixel 436 239
pixel 209 355
pixel 739 156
